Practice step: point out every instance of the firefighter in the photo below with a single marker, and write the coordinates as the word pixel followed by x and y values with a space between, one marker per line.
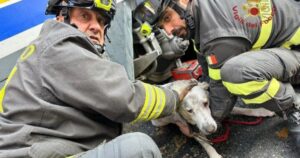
pixel 64 98
pixel 251 49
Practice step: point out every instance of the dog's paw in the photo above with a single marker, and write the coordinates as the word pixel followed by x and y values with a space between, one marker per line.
pixel 259 112
pixel 262 112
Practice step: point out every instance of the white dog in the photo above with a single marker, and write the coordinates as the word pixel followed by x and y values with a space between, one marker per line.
pixel 195 110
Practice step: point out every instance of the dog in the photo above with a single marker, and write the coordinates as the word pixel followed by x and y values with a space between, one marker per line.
pixel 194 110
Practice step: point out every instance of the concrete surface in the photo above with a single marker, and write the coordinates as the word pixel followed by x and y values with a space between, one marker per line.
pixel 259 141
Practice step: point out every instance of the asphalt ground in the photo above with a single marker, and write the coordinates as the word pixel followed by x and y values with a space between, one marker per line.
pixel 269 139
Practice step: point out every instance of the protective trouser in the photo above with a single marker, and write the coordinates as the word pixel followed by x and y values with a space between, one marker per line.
pixel 263 77
pixel 131 145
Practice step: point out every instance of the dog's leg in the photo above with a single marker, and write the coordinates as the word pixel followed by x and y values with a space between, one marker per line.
pixel 211 151
pixel 259 112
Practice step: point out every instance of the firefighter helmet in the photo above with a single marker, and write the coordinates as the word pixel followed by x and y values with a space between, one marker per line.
pixel 106 8
pixel 151 10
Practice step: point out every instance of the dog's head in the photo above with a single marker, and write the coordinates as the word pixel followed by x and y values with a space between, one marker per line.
pixel 195 109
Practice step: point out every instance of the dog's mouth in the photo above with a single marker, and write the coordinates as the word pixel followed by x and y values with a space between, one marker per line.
pixel 206 129
pixel 195 129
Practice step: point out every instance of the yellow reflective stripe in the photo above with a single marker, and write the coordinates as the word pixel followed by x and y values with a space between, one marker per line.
pixel 265 9
pixel 101 5
pixel 268 95
pixel 27 52
pixel 149 6
pixel 155 102
pixel 70 157
pixel 144 108
pixel 149 106
pixel 295 40
pixel 214 74
pixel 2 92
pixel 163 103
pixel 152 102
pixel 245 88
pixel 160 103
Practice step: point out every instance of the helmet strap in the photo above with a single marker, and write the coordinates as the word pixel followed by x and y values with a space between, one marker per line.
pixel 65 13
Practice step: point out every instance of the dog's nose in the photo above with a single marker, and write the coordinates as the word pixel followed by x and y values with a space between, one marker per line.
pixel 211 129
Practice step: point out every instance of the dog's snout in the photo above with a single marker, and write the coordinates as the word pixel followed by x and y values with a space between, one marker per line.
pixel 211 129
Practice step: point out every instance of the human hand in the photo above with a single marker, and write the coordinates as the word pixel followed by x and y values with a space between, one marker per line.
pixel 182 87
pixel 174 118
pixel 183 125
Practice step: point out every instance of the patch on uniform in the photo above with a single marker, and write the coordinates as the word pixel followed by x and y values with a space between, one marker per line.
pixel 211 59
pixel 248 13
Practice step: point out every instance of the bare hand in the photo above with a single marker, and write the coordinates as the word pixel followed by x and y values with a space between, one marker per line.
pixel 182 87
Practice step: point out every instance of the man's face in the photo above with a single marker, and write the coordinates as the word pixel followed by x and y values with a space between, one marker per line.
pixel 171 22
pixel 89 22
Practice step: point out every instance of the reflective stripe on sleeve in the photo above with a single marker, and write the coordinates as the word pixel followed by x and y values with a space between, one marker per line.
pixel 2 92
pixel 155 100
pixel 214 74
pixel 267 23
pixel 160 103
pixel 295 40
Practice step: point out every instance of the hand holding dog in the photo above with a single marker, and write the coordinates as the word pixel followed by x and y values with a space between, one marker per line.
pixel 182 87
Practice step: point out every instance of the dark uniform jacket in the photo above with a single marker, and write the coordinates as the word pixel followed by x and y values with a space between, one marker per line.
pixel 63 97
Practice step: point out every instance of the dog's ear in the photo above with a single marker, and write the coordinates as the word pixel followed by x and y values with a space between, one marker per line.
pixel 203 85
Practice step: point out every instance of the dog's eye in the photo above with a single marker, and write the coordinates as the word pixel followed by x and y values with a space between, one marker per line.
pixel 189 110
pixel 205 104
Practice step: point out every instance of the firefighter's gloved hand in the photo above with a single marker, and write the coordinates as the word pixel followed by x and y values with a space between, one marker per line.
pixel 179 45
pixel 172 46
pixel 182 87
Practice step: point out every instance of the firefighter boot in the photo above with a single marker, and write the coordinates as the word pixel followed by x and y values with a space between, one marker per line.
pixel 294 126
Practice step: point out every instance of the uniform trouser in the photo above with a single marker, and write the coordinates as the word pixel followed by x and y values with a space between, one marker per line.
pixel 202 61
pixel 131 145
pixel 263 77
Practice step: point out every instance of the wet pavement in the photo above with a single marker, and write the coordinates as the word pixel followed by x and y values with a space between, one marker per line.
pixel 269 139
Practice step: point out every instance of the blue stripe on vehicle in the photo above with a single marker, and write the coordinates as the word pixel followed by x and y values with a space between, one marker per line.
pixel 21 16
